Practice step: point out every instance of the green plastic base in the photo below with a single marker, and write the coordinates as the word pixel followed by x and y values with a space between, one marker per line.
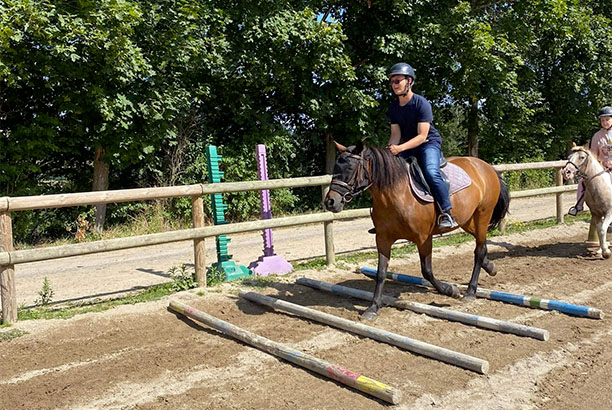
pixel 233 271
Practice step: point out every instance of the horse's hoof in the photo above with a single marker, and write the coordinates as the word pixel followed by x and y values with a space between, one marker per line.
pixel 606 255
pixel 455 292
pixel 369 316
pixel 493 272
pixel 469 297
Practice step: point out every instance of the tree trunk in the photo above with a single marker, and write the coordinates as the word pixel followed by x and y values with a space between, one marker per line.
pixel 100 183
pixel 472 128
pixel 330 153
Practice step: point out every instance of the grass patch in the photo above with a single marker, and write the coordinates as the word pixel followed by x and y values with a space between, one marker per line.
pixel 153 293
pixel 11 334
pixel 183 279
pixel 260 282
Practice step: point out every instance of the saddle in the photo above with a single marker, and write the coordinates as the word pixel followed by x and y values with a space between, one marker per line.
pixel 454 177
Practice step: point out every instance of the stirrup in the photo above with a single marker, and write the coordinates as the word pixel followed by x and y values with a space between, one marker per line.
pixel 574 210
pixel 446 222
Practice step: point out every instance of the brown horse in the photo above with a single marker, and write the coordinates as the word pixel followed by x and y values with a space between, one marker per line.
pixel 398 214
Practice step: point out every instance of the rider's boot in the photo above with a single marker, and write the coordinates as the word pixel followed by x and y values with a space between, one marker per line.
pixel 574 210
pixel 372 230
pixel 446 222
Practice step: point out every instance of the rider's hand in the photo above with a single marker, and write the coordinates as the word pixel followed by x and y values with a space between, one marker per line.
pixel 394 149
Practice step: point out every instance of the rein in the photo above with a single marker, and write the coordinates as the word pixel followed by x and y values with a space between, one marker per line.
pixel 589 179
pixel 360 175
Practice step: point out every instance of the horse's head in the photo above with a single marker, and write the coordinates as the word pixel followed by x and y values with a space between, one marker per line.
pixel 350 176
pixel 577 162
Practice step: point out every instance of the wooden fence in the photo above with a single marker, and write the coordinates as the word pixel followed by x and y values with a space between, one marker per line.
pixel 10 257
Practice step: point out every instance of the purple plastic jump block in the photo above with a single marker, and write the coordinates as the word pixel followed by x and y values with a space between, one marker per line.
pixel 269 263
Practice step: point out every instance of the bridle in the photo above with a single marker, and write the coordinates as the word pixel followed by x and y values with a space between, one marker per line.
pixel 355 185
pixel 579 171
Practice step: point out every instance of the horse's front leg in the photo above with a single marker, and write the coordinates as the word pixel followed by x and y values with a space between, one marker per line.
pixel 488 266
pixel 384 254
pixel 602 231
pixel 427 271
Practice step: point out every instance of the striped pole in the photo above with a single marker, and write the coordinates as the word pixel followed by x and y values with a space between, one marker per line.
pixel 335 372
pixel 416 346
pixel 453 315
pixel 547 304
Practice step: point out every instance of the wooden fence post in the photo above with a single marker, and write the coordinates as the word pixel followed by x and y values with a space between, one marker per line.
pixel 328 229
pixel 7 272
pixel 559 181
pixel 199 249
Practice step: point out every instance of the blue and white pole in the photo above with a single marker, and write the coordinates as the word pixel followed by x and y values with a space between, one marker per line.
pixel 520 300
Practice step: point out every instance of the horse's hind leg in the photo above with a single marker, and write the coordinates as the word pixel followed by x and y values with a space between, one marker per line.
pixel 427 271
pixel 480 256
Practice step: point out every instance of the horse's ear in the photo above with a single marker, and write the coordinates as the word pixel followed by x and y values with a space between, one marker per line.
pixel 358 147
pixel 340 147
pixel 573 144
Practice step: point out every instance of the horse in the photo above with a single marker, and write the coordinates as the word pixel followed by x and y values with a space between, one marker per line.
pixel 597 189
pixel 398 214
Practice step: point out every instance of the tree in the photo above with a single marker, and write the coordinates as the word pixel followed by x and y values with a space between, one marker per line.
pixel 85 80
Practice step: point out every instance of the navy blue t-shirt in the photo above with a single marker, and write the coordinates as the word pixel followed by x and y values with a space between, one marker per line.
pixel 408 117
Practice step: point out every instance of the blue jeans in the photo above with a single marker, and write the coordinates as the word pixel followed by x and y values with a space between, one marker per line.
pixel 429 160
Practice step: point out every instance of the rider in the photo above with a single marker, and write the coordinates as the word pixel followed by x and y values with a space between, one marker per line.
pixel 601 147
pixel 413 134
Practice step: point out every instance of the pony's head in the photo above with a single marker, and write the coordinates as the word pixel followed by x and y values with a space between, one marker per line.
pixel 350 176
pixel 579 162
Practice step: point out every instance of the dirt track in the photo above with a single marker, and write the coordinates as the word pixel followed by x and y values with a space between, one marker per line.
pixel 145 357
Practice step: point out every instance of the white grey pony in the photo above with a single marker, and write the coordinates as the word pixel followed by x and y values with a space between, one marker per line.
pixel 597 182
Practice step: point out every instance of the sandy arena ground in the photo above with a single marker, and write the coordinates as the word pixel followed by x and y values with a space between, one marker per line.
pixel 146 357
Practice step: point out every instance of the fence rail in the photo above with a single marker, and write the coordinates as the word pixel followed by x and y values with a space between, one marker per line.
pixel 9 257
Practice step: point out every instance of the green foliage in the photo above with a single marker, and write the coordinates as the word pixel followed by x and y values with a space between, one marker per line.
pixel 45 295
pixel 153 82
pixel 215 276
pixel 529 179
pixel 182 279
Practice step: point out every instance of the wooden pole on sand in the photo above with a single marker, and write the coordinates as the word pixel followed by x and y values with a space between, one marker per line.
pixel 466 318
pixel 416 346
pixel 341 375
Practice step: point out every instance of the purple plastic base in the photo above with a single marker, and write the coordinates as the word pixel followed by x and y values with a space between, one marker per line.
pixel 268 265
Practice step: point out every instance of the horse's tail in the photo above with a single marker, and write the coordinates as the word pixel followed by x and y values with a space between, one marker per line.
pixel 503 203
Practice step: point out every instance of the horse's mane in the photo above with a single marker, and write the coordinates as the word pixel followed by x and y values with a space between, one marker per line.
pixel 386 168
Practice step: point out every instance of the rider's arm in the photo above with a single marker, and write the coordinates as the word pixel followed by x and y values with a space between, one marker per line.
pixel 422 130
pixel 396 133
pixel 599 147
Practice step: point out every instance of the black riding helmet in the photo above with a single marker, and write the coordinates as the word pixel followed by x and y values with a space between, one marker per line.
pixel 402 69
pixel 605 112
